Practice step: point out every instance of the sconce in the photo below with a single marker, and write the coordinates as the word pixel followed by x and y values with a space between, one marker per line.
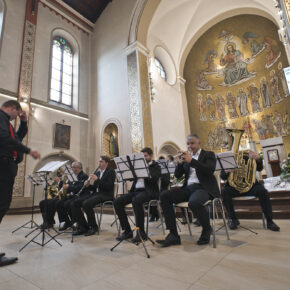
pixel 152 93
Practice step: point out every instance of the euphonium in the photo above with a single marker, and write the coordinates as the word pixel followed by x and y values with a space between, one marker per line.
pixel 52 191
pixel 244 177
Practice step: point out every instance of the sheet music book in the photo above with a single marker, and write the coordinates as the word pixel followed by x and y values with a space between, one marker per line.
pixel 226 160
pixel 139 163
pixel 52 166
pixel 163 165
pixel 171 167
pixel 35 179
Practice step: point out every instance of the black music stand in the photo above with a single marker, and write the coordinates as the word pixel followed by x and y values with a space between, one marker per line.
pixel 227 161
pixel 130 168
pixel 44 172
pixel 35 181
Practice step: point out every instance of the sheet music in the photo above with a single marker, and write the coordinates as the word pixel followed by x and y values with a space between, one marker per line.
pixel 227 159
pixel 171 167
pixel 118 175
pixel 34 179
pixel 70 174
pixel 163 165
pixel 139 163
pixel 52 166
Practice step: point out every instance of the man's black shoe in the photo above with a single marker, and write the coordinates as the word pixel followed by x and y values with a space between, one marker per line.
pixel 125 235
pixel 196 223
pixel 91 232
pixel 137 239
pixel 2 255
pixel 272 226
pixel 46 226
pixel 233 225
pixel 170 240
pixel 4 261
pixel 65 226
pixel 80 232
pixel 204 237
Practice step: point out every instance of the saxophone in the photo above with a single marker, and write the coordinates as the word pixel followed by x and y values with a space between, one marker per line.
pixel 62 192
pixel 244 177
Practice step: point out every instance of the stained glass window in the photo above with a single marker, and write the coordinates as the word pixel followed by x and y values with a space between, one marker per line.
pixel 160 69
pixel 61 81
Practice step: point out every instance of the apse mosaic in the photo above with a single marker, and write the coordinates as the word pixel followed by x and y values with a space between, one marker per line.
pixel 234 78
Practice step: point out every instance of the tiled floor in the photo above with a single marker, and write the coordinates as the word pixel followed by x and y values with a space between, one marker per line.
pixel 246 262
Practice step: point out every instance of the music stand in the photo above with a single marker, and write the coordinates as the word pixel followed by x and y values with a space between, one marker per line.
pixel 35 181
pixel 131 167
pixel 44 172
pixel 227 161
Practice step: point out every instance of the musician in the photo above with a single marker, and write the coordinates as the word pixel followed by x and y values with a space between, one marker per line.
pixel 48 207
pixel 200 185
pixel 257 190
pixel 142 190
pixel 63 207
pixel 102 188
pixel 11 153
pixel 164 184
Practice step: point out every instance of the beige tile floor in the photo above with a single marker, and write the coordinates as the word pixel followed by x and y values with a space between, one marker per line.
pixel 246 262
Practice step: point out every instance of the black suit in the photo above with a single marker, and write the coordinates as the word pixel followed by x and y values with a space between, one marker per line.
pixel 196 194
pixel 63 206
pixel 138 197
pixel 8 164
pixel 257 190
pixel 103 190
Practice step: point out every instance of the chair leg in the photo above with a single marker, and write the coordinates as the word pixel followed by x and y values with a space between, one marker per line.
pixel 224 218
pixel 176 220
pixel 161 217
pixel 213 223
pixel 98 220
pixel 264 222
pixel 187 220
pixel 147 215
pixel 116 218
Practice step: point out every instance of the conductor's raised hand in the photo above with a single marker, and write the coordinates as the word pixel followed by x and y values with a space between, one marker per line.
pixel 34 154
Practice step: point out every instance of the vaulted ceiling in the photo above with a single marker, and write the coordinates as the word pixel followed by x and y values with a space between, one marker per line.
pixel 90 9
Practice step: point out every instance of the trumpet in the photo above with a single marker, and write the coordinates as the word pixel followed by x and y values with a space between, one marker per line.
pixel 179 154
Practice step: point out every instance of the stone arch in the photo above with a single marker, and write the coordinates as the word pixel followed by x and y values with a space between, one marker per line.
pixel 168 148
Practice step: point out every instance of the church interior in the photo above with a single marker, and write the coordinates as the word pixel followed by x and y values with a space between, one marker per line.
pixel 111 77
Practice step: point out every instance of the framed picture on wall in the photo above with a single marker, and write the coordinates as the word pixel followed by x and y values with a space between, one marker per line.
pixel 61 136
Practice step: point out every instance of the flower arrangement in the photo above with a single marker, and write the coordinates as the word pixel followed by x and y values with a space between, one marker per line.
pixel 285 169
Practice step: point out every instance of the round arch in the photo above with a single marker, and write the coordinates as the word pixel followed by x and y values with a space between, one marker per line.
pixel 168 148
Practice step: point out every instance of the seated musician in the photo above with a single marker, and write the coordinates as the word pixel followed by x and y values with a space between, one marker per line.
pixel 102 187
pixel 257 190
pixel 48 206
pixel 199 186
pixel 63 206
pixel 142 190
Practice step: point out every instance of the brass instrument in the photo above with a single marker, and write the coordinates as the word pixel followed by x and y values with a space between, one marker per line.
pixel 244 177
pixel 52 191
pixel 62 193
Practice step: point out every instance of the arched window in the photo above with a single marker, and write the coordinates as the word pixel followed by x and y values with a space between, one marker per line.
pixel 160 68
pixel 61 80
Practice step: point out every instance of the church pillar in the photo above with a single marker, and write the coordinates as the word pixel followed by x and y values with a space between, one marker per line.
pixel 139 97
pixel 25 80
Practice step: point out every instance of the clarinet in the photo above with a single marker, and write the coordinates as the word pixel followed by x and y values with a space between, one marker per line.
pixel 85 184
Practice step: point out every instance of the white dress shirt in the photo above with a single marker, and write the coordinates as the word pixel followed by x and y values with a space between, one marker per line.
pixel 192 173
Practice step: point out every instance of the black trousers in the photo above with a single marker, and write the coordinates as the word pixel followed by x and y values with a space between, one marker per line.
pixel 87 203
pixel 63 208
pixel 163 186
pixel 137 198
pixel 48 210
pixel 8 171
pixel 257 190
pixel 196 196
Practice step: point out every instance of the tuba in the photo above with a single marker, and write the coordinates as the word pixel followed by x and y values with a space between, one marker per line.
pixel 244 177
